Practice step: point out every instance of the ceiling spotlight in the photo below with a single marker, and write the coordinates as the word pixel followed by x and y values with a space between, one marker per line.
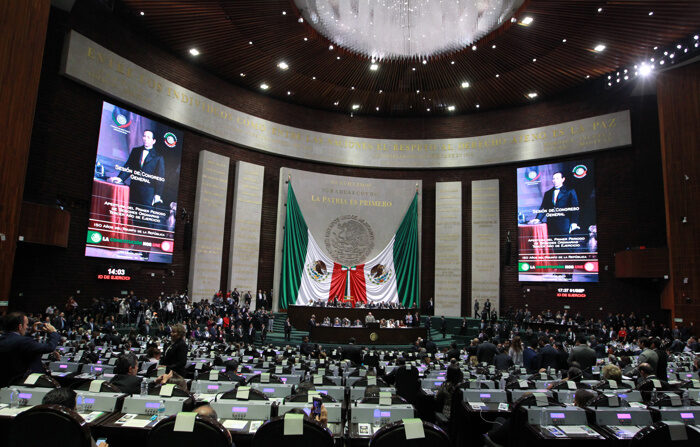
pixel 600 9
pixel 194 52
pixel 534 59
pixel 598 48
pixel 532 95
pixel 424 62
pixel 588 76
pixel 473 47
pixel 377 109
pixel 338 57
pixel 451 108
pixel 428 109
pixel 289 93
pixel 381 91
pixel 250 42
pixel 498 75
pixel 651 13
pixel 243 75
pixel 695 37
pixel 477 106
pixel 264 86
pixel 374 67
pixel 336 103
pixel 355 106
pixel 417 91
pixel 306 39
pixel 452 63
pixel 465 84
pixel 645 69
pixel 413 68
pixel 563 40
pixel 284 13
pixel 526 21
pixel 300 20
pixel 330 47
pixel 283 65
pixel 142 13
pixel 493 46
pixel 352 88
pixel 313 77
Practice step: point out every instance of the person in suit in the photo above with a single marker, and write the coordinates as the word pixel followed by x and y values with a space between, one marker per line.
pixel 175 357
pixel 485 352
pixel 287 329
pixel 547 357
pixel 125 377
pixel 352 352
pixel 559 196
pixel 144 190
pixel 583 355
pixel 21 354
pixel 443 326
pixel 453 353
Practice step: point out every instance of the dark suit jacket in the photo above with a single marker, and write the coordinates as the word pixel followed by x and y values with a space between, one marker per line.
pixel 175 357
pixel 127 384
pixel 154 164
pixel 559 225
pixel 486 352
pixel 353 353
pixel 585 357
pixel 547 357
pixel 20 354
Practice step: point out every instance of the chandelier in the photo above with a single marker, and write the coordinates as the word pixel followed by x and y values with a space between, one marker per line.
pixel 404 29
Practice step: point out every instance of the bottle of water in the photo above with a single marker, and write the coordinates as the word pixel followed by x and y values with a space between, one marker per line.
pixel 14 398
pixel 161 410
pixel 144 387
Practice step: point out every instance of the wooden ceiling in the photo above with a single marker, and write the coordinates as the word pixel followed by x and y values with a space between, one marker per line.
pixel 243 41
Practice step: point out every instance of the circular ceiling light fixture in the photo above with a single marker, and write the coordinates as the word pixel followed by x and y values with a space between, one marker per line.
pixel 404 29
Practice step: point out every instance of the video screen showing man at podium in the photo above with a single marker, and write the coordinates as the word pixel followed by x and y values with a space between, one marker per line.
pixel 557 230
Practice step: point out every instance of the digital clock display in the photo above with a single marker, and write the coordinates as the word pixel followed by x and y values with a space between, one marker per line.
pixel 114 274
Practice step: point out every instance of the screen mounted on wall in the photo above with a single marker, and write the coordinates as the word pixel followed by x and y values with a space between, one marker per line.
pixel 557 230
pixel 134 189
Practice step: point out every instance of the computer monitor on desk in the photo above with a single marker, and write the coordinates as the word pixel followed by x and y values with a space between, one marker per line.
pixel 487 396
pixel 274 389
pixel 27 396
pixel 374 414
pixel 149 405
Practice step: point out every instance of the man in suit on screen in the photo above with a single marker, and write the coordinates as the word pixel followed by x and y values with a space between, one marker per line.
pixel 559 223
pixel 147 173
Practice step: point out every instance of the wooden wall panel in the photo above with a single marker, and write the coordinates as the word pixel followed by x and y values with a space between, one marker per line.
pixel 22 34
pixel 630 204
pixel 42 224
pixel 678 94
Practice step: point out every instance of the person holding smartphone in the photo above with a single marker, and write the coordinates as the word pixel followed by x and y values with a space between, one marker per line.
pixel 319 413
pixel 21 354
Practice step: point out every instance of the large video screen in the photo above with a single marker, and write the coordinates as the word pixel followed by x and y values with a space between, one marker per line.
pixel 557 231
pixel 134 190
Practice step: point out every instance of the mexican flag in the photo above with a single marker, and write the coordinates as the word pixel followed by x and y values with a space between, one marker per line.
pixel 309 275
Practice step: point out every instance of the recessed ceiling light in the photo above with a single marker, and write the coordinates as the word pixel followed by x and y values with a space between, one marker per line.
pixel 336 103
pixel 428 109
pixel 493 46
pixel 243 75
pixel 377 108
pixel 563 40
pixel 352 88
pixel 194 52
pixel 250 42
pixel 381 91
pixel 283 65
pixel 656 48
pixel 497 75
pixel 477 106
pixel 417 91
pixel 532 95
pixel 424 62
pixel 338 57
pixel 588 76
pixel 313 77
pixel 284 13
pixel 306 39
pixel 300 20
pixel 645 69
pixel 598 48
pixel 143 13
pixel 651 13
pixel 264 86
pixel 534 59
pixel 600 9
pixel 413 68
pixel 355 106
pixel 527 21
pixel 473 47
pixel 513 20
pixel 451 108
pixel 374 67
pixel 452 63
pixel 465 84
pixel 289 93
pixel 330 47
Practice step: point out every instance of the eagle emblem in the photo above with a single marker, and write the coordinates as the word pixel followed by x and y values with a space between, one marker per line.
pixel 317 270
pixel 379 274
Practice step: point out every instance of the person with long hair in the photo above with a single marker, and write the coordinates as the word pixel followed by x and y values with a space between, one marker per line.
pixel 516 351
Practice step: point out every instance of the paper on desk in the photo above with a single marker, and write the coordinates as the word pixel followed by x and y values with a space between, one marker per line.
pixel 184 422
pixel 414 428
pixel 12 411
pixel 96 386
pixel 140 423
pixel 32 378
pixel 234 424
pixel 573 430
pixel 167 390
pixel 293 424
pixel 90 417
pixel 475 405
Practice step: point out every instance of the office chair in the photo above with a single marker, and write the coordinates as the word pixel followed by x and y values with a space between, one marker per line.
pixel 661 434
pixel 272 433
pixel 56 422
pixel 207 431
pixel 395 434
